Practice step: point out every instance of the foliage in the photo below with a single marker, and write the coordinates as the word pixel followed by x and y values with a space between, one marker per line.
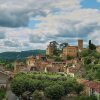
pixel 91 65
pixel 9 66
pixel 78 88
pixel 12 56
pixel 2 94
pixel 43 82
pixel 38 95
pixel 91 46
pixel 63 45
pixel 54 92
pixel 85 98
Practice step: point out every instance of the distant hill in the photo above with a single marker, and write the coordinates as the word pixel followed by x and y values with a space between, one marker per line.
pixel 20 55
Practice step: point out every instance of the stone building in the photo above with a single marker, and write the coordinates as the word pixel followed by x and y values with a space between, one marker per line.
pixel 70 51
pixel 73 50
pixel 80 45
pixel 30 61
pixel 18 66
pixel 56 66
pixel 50 50
pixel 98 49
pixel 3 79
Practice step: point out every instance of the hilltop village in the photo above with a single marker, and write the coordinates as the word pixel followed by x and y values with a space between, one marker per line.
pixel 69 55
pixel 69 60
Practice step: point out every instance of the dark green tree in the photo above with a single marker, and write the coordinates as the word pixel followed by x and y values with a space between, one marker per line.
pixel 38 95
pixel 78 88
pixel 63 45
pixel 54 92
pixel 91 46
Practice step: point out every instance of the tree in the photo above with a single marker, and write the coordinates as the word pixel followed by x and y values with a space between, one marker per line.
pixel 54 92
pixel 91 46
pixel 9 66
pixel 54 44
pixel 78 88
pixel 68 87
pixel 38 95
pixel 2 94
pixel 63 45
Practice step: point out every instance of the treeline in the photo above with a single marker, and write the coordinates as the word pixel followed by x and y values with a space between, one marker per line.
pixel 91 63
pixel 12 56
pixel 48 85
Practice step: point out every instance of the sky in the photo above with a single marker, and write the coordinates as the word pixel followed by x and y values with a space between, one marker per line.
pixel 32 24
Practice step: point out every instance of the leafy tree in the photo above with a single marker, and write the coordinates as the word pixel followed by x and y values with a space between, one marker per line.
pixel 91 46
pixel 78 88
pixel 54 44
pixel 54 92
pixel 9 66
pixel 2 94
pixel 38 95
pixel 63 45
pixel 68 87
pixel 87 60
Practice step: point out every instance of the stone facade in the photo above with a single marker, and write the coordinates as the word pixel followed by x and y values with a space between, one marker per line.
pixel 30 61
pixel 73 50
pixel 49 50
pixel 98 49
pixel 80 45
pixel 70 51
pixel 18 66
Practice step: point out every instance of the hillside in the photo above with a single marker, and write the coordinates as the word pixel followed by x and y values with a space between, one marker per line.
pixel 20 55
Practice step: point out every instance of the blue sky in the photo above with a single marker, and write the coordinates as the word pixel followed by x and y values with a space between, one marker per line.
pixel 32 24
pixel 90 4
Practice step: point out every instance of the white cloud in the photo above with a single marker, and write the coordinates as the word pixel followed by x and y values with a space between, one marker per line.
pixel 98 0
pixel 59 20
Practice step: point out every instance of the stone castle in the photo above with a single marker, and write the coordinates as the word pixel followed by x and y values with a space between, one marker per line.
pixel 68 50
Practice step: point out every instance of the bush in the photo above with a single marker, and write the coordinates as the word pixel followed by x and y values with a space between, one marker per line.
pixel 54 92
pixel 38 95
pixel 2 94
pixel 86 98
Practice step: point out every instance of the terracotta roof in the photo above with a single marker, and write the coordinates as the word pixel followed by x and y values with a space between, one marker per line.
pixel 92 85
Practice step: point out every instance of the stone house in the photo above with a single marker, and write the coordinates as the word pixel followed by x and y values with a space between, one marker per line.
pixel 72 71
pixel 18 66
pixel 91 87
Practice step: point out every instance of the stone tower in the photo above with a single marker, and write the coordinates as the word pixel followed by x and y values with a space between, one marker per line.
pixel 80 45
pixel 49 50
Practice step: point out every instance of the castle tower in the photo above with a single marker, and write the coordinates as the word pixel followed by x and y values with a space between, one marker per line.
pixel 80 45
pixel 49 50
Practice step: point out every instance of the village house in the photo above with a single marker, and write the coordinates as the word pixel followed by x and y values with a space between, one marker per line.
pixel 73 70
pixel 91 87
pixel 18 66
pixel 30 61
pixel 56 66
pixel 41 57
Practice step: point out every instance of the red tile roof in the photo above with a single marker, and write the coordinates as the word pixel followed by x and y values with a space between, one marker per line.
pixel 92 85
